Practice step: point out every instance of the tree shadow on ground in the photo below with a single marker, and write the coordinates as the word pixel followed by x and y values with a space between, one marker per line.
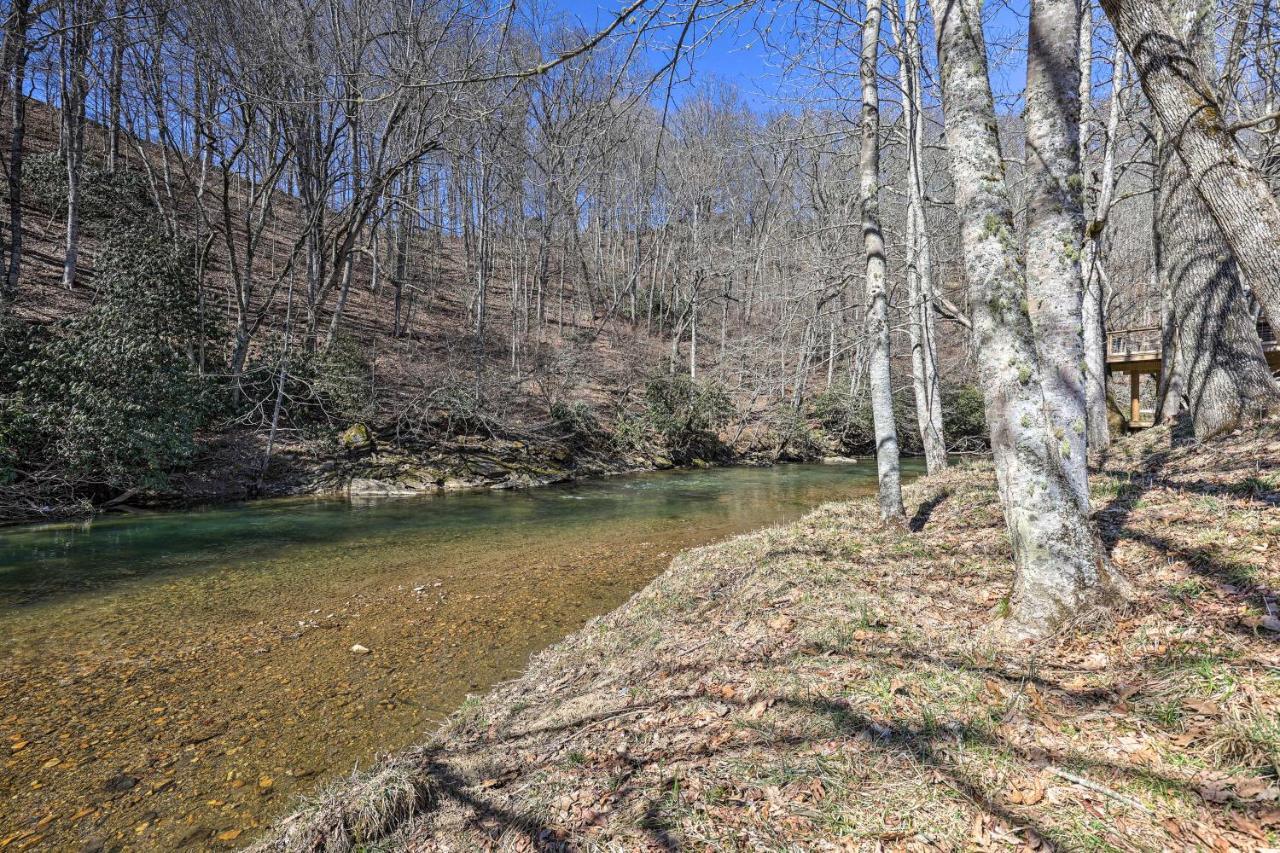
pixel 925 511
pixel 928 746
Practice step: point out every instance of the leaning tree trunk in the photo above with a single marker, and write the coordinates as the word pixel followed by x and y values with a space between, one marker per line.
pixel 1227 381
pixel 1235 191
pixel 1060 567
pixel 887 461
pixel 1055 228
pixel 1224 377
pixel 924 350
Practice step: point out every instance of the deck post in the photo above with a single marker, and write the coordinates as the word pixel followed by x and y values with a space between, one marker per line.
pixel 1135 398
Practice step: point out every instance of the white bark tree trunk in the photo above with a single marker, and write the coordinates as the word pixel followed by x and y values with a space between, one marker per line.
pixel 924 352
pixel 1060 567
pixel 1093 309
pixel 1055 227
pixel 887 461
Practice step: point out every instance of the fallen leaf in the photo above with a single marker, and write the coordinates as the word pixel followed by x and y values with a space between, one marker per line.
pixel 781 624
pixel 1201 706
pixel 1255 789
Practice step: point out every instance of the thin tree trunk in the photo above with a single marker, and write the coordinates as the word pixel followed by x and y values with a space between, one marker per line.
pixel 1208 330
pixel 115 86
pixel 76 44
pixel 887 460
pixel 924 354
pixel 1093 308
pixel 1060 567
pixel 18 50
pixel 1055 227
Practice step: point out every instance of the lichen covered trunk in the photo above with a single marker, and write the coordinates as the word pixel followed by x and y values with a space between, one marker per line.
pixel 880 380
pixel 1055 227
pixel 1060 565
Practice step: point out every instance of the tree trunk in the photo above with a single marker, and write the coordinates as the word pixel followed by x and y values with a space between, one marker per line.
pixel 1236 193
pixel 75 87
pixel 1060 567
pixel 1055 227
pixel 17 52
pixel 115 85
pixel 1208 330
pixel 1093 309
pixel 887 462
pixel 924 352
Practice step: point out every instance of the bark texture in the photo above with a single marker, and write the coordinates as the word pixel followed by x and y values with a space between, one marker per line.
pixel 1055 227
pixel 1060 566
pixel 1224 375
pixel 887 459
pixel 1218 373
pixel 1235 192
pixel 16 53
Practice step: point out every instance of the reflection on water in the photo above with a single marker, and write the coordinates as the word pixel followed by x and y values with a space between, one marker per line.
pixel 173 677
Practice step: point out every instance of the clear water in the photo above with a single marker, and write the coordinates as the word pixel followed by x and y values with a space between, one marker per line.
pixel 201 653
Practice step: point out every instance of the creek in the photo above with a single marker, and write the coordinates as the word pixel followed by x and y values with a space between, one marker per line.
pixel 178 679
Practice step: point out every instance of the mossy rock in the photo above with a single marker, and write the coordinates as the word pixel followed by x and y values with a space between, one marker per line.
pixel 357 438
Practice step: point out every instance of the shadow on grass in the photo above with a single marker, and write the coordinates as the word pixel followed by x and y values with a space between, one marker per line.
pixel 925 511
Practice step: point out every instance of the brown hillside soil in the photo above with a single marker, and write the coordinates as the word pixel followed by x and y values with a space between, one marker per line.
pixel 833 685
pixel 569 354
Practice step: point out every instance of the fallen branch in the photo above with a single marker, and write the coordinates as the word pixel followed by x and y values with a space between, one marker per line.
pixel 1101 789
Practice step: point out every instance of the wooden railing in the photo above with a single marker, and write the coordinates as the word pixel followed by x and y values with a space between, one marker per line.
pixel 1143 343
pixel 1137 351
pixel 1134 344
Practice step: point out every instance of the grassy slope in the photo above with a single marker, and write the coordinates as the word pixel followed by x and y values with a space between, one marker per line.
pixel 827 685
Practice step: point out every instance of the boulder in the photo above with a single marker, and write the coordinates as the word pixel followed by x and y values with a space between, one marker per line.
pixel 357 439
pixel 369 486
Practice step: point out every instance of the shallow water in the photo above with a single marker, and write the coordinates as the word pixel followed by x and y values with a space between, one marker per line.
pixel 177 679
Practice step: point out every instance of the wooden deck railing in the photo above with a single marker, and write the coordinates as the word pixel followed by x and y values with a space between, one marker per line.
pixel 1138 350
pixel 1143 343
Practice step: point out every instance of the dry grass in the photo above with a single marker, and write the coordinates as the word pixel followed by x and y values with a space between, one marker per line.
pixel 834 685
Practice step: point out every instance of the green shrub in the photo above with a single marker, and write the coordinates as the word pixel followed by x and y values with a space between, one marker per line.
pixel 964 417
pixel 323 388
pixel 112 399
pixel 793 436
pixel 850 421
pixel 687 415
pixel 120 196
pixel 846 420
pixel 577 424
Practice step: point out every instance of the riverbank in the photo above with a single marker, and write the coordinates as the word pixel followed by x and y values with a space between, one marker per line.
pixel 229 469
pixel 831 684
pixel 175 680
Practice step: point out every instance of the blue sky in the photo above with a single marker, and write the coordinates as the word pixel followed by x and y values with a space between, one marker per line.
pixel 735 52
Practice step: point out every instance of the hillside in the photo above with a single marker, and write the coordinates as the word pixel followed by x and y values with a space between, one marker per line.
pixel 834 684
pixel 438 421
